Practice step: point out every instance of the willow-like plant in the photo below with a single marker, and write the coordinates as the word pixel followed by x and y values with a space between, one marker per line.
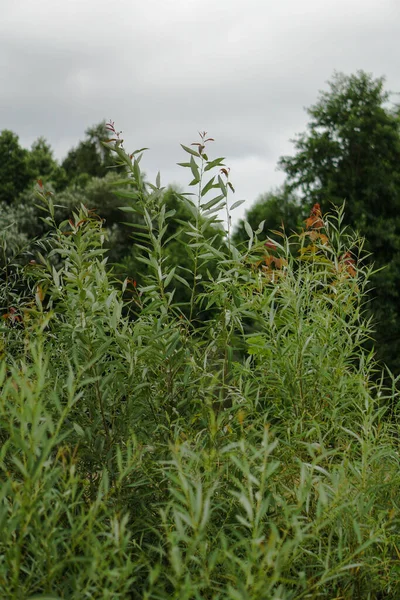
pixel 149 453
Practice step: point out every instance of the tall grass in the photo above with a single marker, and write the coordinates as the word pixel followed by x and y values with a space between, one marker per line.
pixel 237 447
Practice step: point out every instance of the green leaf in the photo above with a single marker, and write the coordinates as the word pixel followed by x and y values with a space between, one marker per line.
pixel 120 182
pixel 139 151
pixel 133 195
pixel 137 173
pixel 209 185
pixel 236 204
pixel 182 280
pixel 214 210
pixel 127 209
pixel 218 162
pixel 190 151
pixel 222 185
pixel 148 288
pixel 78 429
pixel 248 229
pixel 260 227
pixel 169 277
pixel 194 168
pixel 249 232
pixel 173 344
pixel 212 202
pixel 213 251
pixel 56 277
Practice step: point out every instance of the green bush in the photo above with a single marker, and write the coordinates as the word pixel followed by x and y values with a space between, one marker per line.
pixel 149 452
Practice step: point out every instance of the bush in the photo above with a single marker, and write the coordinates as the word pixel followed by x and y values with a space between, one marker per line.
pixel 151 453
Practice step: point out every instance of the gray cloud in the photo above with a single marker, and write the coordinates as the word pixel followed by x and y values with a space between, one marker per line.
pixel 164 69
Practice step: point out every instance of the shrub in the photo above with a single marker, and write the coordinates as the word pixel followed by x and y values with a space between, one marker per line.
pixel 151 452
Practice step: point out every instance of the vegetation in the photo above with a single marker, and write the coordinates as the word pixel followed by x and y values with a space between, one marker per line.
pixel 351 153
pixel 15 174
pixel 150 451
pixel 279 210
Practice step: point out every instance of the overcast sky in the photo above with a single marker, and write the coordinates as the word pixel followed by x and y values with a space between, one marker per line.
pixel 165 69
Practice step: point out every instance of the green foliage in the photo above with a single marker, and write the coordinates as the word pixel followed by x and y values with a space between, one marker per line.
pixel 43 165
pixel 40 159
pixel 177 245
pixel 98 195
pixel 17 223
pixel 89 158
pixel 146 453
pixel 15 172
pixel 274 211
pixel 351 153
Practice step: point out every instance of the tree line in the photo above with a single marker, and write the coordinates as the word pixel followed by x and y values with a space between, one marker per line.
pixel 349 153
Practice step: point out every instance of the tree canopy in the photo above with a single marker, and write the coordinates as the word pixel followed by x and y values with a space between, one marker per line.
pixel 275 210
pixel 15 171
pixel 350 153
pixel 89 158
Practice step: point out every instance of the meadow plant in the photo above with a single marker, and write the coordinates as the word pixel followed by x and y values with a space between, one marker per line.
pixel 241 446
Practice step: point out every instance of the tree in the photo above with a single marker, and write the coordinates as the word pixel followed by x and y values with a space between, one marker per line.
pixel 40 158
pixel 89 158
pixel 15 172
pixel 277 209
pixel 351 153
pixel 43 165
pixel 99 196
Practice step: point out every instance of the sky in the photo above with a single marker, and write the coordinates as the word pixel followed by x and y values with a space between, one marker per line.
pixel 163 70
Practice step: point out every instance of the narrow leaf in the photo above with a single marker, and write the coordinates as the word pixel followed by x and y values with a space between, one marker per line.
pixel 248 229
pixel 194 168
pixel 169 277
pixel 208 186
pixel 212 202
pixel 190 151
pixel 120 182
pixel 217 162
pixel 236 204
pixel 222 185
pixel 133 195
pixel 260 227
pixel 182 280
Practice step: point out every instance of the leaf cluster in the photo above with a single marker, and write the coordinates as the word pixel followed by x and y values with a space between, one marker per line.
pixel 147 452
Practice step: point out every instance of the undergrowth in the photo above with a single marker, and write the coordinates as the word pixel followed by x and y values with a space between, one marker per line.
pixel 146 452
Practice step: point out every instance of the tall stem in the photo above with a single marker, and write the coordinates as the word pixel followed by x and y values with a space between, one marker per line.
pixel 196 255
pixel 228 221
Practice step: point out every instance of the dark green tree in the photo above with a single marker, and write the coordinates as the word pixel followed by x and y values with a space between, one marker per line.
pixel 278 209
pixel 41 160
pixel 351 152
pixel 15 172
pixel 98 195
pixel 43 165
pixel 89 158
